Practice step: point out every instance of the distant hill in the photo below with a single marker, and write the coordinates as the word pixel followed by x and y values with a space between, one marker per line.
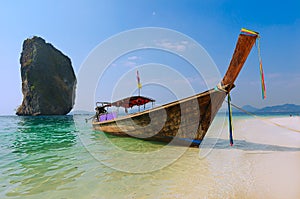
pixel 285 108
pixel 290 108
pixel 250 108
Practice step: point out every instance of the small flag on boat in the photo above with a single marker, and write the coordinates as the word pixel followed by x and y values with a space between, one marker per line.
pixel 138 79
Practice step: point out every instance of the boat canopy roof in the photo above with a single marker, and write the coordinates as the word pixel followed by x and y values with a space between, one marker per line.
pixel 128 102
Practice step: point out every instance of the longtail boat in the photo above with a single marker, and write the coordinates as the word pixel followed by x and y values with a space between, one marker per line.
pixel 183 121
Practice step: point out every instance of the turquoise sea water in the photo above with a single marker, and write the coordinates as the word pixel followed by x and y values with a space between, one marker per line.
pixel 62 157
pixel 36 151
pixel 56 156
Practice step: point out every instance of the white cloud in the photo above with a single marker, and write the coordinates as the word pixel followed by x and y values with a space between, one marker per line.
pixel 274 75
pixel 184 42
pixel 133 58
pixel 176 46
pixel 129 64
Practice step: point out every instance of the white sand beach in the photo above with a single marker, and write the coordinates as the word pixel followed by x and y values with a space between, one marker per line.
pixel 264 161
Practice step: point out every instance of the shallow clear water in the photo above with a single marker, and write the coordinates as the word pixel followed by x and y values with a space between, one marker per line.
pixel 37 151
pixel 55 155
pixel 62 157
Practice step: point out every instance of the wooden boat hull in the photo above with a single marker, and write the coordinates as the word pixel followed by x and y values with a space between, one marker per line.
pixel 184 121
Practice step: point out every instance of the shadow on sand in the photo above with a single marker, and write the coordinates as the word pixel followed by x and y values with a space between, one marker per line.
pixel 244 145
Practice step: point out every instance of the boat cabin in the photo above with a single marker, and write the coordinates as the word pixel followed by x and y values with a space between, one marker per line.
pixel 102 114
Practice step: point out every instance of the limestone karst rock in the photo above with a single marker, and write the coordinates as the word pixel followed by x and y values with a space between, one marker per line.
pixel 48 79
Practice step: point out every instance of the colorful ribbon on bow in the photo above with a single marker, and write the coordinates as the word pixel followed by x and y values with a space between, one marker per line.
pixel 262 76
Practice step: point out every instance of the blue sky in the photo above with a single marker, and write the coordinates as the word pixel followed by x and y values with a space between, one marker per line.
pixel 77 27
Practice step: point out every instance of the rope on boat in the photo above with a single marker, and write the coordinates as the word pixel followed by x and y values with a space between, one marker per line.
pixel 263 119
pixel 220 88
pixel 87 119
